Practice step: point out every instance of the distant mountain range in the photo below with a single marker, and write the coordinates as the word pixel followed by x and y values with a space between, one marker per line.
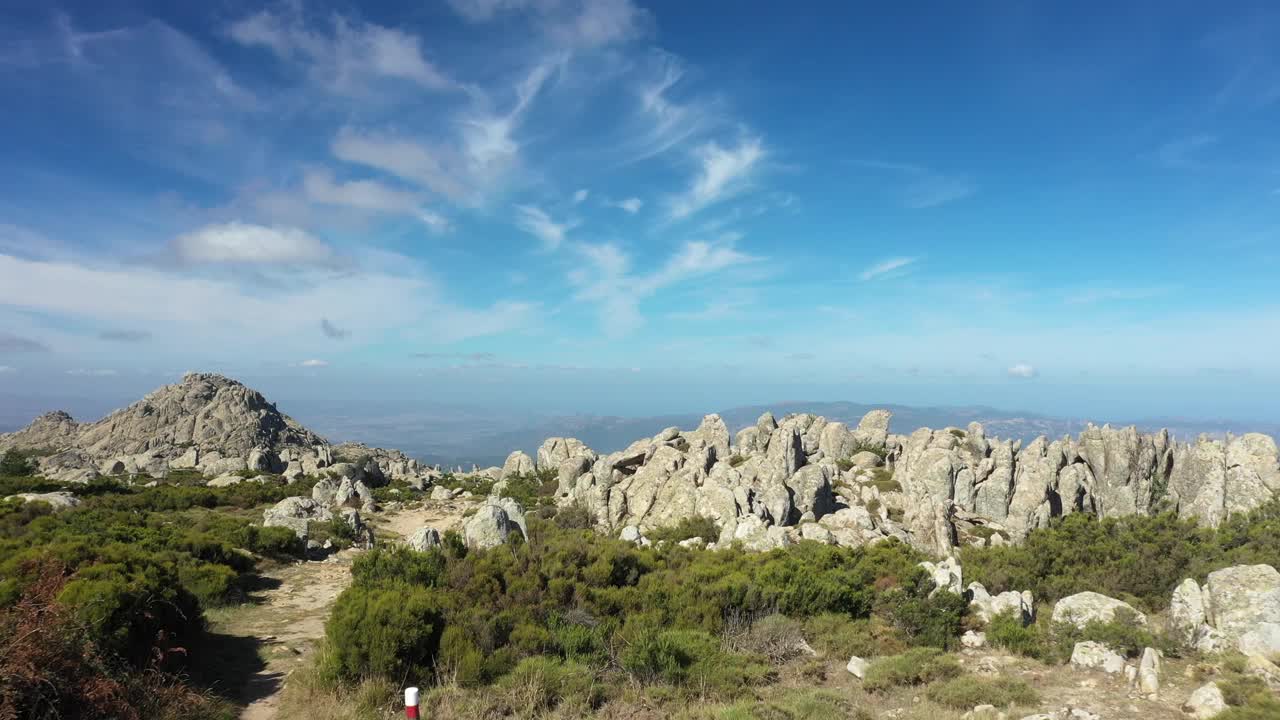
pixel 458 436
pixel 609 433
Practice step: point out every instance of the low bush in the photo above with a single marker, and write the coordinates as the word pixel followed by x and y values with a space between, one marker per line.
pixel 1007 631
pixel 575 516
pixel 923 620
pixel 383 633
pixel 840 636
pixel 1139 558
pixel 967 691
pixel 14 463
pixel 695 526
pixel 918 666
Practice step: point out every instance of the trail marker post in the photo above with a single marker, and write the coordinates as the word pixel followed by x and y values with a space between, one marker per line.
pixel 411 703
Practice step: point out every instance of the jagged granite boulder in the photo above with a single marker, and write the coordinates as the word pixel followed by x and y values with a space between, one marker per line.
pixel 295 513
pixel 489 527
pixel 424 539
pixel 59 500
pixel 1082 608
pixel 51 431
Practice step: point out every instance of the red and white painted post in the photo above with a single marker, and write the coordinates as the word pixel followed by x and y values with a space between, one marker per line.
pixel 411 703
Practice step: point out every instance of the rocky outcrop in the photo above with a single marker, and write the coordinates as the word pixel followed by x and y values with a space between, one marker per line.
pixel 296 513
pixel 52 431
pixel 424 539
pixel 58 501
pixel 492 524
pixel 986 606
pixel 205 422
pixel 1238 608
pixel 1090 655
pixel 1086 607
pixel 933 488
pixel 1206 702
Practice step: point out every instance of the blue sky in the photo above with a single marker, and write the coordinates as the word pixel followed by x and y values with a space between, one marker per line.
pixel 634 207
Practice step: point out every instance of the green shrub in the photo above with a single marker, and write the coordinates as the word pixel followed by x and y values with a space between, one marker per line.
pixel 882 480
pixel 1259 707
pixel 917 666
pixel 533 489
pixel 933 621
pixel 397 564
pixel 130 607
pixel 384 633
pixel 1007 631
pixel 695 526
pixel 966 691
pixel 1139 557
pixel 840 636
pixel 575 516
pixel 1240 690
pixel 14 463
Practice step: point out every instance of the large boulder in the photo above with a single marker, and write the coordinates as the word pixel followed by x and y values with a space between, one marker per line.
pixel 424 539
pixel 986 606
pixel 1090 655
pixel 58 500
pixel 295 513
pixel 1082 608
pixel 1242 605
pixel 488 528
pixel 1206 702
pixel 518 463
pixel 873 429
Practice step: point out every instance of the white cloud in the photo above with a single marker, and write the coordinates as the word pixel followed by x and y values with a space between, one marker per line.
pixel 345 58
pixel 664 122
pixel 372 195
pixel 402 157
pixel 7 369
pixel 314 364
pixel 924 187
pixel 631 205
pixel 885 267
pixel 1022 370
pixel 237 242
pixel 580 196
pixel 722 173
pixel 84 372
pixel 198 313
pixel 575 23
pixel 434 221
pixel 536 222
pixel 934 190
pixel 618 293
pixel 719 310
pixel 465 169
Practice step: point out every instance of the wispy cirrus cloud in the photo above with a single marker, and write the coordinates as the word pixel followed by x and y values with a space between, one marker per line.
pixel 886 267
pixel 343 57
pixel 617 292
pixel 920 187
pixel 538 223
pixel 722 172
pixel 629 205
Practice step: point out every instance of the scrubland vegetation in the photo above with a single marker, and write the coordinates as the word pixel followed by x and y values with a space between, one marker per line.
pixel 101 607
